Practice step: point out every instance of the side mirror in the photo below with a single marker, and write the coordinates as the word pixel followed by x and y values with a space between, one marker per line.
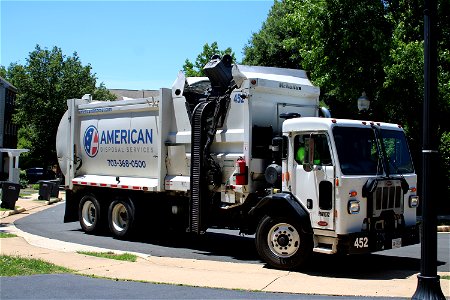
pixel 279 148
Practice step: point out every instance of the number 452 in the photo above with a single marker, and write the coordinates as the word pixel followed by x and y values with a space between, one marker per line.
pixel 362 242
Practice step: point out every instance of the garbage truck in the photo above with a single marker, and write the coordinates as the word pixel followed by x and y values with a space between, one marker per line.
pixel 245 148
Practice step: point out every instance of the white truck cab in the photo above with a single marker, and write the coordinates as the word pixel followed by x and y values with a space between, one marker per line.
pixel 355 178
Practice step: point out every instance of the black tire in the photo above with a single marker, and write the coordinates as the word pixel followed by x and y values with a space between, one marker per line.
pixel 121 216
pixel 89 212
pixel 281 242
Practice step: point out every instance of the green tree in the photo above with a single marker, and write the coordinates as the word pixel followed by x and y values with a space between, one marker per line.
pixel 275 45
pixel 400 99
pixel 3 71
pixel 195 69
pixel 44 83
pixel 342 44
pixel 102 93
pixel 350 46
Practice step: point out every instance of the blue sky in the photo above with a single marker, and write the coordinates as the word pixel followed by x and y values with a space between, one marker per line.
pixel 129 44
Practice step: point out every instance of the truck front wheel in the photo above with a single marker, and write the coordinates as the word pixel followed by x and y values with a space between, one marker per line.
pixel 89 213
pixel 121 218
pixel 281 242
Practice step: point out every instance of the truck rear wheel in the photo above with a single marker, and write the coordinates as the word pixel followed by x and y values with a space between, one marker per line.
pixel 281 242
pixel 89 213
pixel 121 218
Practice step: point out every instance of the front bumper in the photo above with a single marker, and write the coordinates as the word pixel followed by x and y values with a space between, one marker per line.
pixel 366 242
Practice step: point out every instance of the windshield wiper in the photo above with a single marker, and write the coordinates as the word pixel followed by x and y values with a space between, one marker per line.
pixel 380 149
pixel 404 183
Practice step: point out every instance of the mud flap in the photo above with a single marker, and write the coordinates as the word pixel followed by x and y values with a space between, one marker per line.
pixel 71 211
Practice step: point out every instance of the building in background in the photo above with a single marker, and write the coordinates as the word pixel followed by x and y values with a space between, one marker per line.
pixel 8 130
pixel 133 94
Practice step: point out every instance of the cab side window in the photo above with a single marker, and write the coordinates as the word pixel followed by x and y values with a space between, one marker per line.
pixel 302 146
pixel 322 150
pixel 299 149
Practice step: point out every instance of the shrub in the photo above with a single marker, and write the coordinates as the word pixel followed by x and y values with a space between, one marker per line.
pixel 23 180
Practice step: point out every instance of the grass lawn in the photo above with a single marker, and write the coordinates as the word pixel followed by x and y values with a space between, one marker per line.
pixel 18 266
pixel 6 235
pixel 5 209
pixel 111 255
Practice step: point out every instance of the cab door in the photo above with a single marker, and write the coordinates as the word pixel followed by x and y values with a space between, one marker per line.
pixel 314 177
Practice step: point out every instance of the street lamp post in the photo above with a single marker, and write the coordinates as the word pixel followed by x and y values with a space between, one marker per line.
pixel 363 104
pixel 428 285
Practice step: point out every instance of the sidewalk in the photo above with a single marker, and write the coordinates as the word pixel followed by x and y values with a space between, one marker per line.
pixel 192 272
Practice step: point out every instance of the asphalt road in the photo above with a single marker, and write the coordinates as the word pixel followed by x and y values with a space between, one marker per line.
pixel 216 245
pixel 225 245
pixel 64 286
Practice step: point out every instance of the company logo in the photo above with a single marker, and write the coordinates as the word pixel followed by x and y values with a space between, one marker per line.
pixel 291 86
pixel 126 136
pixel 238 98
pixel 91 141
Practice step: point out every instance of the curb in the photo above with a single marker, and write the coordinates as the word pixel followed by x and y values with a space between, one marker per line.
pixel 21 210
pixel 443 228
pixel 12 212
pixel 52 201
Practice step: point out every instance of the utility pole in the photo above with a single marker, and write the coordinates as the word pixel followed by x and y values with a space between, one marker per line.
pixel 428 285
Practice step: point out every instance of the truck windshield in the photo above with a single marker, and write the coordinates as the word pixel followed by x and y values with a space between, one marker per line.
pixel 359 154
pixel 357 150
pixel 397 152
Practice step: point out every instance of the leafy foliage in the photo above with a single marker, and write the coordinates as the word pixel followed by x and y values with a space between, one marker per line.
pixel 340 42
pixel 23 180
pixel 195 69
pixel 102 93
pixel 44 84
pixel 276 44
pixel 401 97
pixel 3 71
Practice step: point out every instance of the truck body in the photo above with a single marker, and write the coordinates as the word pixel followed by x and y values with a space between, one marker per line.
pixel 247 148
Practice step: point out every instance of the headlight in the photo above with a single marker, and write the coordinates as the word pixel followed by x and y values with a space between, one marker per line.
pixel 353 207
pixel 413 201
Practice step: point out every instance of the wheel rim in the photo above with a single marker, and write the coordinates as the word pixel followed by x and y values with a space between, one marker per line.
pixel 283 240
pixel 120 217
pixel 89 213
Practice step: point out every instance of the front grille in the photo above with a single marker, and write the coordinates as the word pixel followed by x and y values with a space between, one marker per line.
pixel 387 196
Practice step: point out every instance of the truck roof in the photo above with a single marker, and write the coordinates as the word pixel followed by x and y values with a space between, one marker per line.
pixel 276 74
pixel 314 124
pixel 288 78
pixel 263 72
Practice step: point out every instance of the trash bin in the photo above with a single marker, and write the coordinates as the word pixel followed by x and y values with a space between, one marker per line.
pixel 10 194
pixel 55 188
pixel 45 189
